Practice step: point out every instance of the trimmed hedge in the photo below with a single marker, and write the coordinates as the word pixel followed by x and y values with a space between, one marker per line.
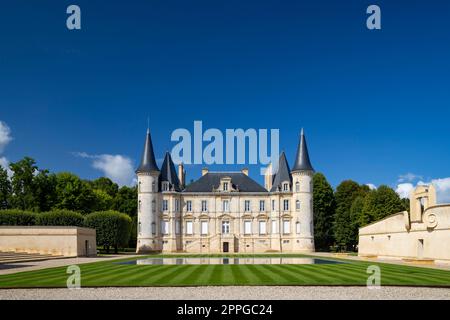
pixel 14 217
pixel 112 228
pixel 60 218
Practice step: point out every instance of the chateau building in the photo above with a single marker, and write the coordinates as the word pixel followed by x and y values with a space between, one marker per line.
pixel 225 211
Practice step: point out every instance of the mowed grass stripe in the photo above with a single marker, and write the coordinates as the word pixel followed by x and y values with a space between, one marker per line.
pixel 260 273
pixel 321 275
pixel 137 276
pixel 187 276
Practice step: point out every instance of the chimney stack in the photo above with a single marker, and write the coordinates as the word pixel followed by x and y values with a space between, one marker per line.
pixel 204 171
pixel 182 174
pixel 268 177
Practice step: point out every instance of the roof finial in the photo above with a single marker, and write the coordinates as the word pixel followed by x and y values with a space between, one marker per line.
pixel 148 124
pixel 302 132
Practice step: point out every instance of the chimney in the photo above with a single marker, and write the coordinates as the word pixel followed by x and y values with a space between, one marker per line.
pixel 204 171
pixel 268 177
pixel 245 171
pixel 181 174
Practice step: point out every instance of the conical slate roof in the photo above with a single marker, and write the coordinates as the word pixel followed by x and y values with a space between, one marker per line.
pixel 302 162
pixel 283 174
pixel 148 163
pixel 169 174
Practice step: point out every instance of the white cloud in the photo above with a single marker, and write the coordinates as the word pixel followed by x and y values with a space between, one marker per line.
pixel 116 167
pixel 5 136
pixel 442 189
pixel 371 186
pixel 442 186
pixel 4 163
pixel 403 189
pixel 409 177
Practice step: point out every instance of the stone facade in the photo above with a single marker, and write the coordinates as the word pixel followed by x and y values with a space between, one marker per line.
pixel 58 241
pixel 225 211
pixel 423 233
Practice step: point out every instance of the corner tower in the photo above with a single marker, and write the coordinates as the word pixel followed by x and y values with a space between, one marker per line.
pixel 148 175
pixel 302 185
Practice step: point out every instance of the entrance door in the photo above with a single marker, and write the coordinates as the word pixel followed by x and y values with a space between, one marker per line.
pixel 420 249
pixel 226 247
pixel 86 247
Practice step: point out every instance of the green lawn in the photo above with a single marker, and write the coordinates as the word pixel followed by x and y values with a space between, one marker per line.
pixel 113 274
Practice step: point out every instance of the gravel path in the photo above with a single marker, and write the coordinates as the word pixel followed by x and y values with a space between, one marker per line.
pixel 231 293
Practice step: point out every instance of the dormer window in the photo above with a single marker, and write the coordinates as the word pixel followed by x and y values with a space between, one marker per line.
pixel 285 186
pixel 165 186
pixel 225 186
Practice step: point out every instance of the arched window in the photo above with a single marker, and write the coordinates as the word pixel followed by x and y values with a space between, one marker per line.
pixel 297 227
pixel 297 186
pixel 153 228
pixel 153 187
pixel 153 205
pixel 297 205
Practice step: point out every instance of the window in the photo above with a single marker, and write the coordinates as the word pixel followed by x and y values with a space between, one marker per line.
pixel 189 227
pixel 225 227
pixel 204 227
pixel 247 227
pixel 204 206
pixel 189 206
pixel 297 205
pixel 177 205
pixel 286 226
pixel 262 227
pixel 225 186
pixel 274 227
pixel 177 227
pixel 165 205
pixel 273 205
pixel 297 227
pixel 262 205
pixel 164 227
pixel 285 205
pixel 153 228
pixel 247 205
pixel 153 187
pixel 226 205
pixel 153 205
pixel 165 186
pixel 285 186
pixel 297 186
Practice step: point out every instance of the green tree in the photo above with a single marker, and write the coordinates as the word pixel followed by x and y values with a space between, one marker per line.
pixel 126 201
pixel 356 219
pixel 106 185
pixel 22 184
pixel 380 203
pixel 44 191
pixel 74 193
pixel 5 189
pixel 324 206
pixel 345 194
pixel 103 201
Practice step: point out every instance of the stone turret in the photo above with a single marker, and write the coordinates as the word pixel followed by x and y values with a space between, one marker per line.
pixel 148 176
pixel 302 186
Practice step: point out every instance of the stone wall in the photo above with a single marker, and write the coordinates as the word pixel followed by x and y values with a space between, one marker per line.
pixel 59 241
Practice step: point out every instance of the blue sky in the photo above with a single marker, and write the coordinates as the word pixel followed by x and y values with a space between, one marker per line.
pixel 374 104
